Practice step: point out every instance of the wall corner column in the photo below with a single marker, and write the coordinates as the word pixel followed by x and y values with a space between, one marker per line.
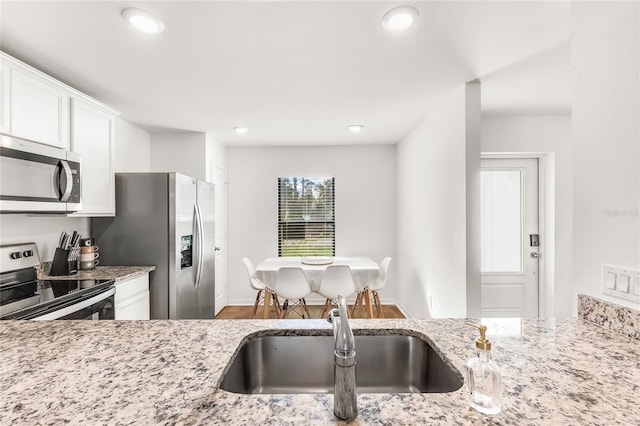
pixel 472 151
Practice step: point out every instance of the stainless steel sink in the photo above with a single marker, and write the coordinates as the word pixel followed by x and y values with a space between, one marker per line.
pixel 393 363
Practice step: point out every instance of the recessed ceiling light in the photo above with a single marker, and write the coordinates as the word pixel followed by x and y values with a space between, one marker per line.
pixel 143 21
pixel 241 130
pixel 356 128
pixel 399 18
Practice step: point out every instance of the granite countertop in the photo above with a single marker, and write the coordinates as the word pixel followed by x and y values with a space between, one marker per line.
pixel 556 371
pixel 117 273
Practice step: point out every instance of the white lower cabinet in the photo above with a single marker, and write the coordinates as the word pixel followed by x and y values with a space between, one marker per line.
pixel 132 299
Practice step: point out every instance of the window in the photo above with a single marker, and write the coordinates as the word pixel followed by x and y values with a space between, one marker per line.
pixel 306 216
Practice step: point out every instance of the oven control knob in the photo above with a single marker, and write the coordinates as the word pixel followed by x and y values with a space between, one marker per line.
pixel 27 253
pixel 16 255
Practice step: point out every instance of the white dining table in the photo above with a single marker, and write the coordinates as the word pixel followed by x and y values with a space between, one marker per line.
pixel 363 269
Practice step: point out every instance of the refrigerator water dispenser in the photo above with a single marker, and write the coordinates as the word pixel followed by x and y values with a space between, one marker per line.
pixel 186 252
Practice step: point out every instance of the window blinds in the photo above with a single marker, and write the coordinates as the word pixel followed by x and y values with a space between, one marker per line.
pixel 306 216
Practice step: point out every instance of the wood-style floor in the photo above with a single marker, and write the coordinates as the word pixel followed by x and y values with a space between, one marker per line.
pixel 244 312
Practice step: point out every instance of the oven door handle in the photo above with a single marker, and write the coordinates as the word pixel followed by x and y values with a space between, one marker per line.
pixel 76 306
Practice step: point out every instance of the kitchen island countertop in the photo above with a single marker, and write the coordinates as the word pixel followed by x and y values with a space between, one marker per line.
pixel 556 371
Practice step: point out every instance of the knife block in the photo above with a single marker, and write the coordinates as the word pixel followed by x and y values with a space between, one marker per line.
pixel 62 266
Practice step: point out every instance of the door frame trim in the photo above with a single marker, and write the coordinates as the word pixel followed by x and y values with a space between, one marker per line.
pixel 546 223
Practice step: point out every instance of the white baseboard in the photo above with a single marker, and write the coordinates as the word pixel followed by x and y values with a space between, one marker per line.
pixel 402 309
pixel 318 300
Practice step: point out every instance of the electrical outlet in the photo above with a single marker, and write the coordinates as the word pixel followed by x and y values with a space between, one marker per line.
pixel 621 282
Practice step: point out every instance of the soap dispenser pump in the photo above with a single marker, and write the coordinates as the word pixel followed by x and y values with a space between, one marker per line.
pixel 484 379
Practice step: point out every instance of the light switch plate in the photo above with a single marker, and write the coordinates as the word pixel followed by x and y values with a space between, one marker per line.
pixel 635 286
pixel 610 281
pixel 621 282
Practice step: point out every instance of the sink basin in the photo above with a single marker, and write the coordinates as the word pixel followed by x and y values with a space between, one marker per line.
pixel 392 363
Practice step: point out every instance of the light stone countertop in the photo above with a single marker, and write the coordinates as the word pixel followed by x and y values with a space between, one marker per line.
pixel 117 273
pixel 555 372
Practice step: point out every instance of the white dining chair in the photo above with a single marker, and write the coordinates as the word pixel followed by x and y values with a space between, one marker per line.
pixel 259 286
pixel 293 286
pixel 374 287
pixel 337 279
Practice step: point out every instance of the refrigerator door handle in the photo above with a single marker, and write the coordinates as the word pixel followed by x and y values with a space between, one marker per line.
pixel 199 246
pixel 196 251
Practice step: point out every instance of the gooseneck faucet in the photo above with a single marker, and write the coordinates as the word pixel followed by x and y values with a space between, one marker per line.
pixel 345 406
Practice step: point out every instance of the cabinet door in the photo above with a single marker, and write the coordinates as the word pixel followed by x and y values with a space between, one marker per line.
pixel 4 98
pixel 92 137
pixel 133 308
pixel 132 299
pixel 39 108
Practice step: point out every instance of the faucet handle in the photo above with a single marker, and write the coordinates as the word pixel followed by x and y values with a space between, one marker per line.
pixel 332 313
pixel 342 301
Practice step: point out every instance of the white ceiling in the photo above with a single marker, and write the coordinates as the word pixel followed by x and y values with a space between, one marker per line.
pixel 297 73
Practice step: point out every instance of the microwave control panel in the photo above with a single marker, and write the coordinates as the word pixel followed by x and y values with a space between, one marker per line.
pixel 75 176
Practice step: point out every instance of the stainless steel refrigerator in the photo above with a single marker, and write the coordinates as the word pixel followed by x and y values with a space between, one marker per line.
pixel 166 220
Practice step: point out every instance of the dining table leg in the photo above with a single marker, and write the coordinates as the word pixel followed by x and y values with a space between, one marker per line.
pixel 367 302
pixel 267 303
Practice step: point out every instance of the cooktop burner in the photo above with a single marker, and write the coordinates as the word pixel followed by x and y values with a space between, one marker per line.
pixel 24 299
pixel 22 295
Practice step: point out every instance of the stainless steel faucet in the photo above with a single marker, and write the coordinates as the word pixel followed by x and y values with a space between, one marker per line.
pixel 345 406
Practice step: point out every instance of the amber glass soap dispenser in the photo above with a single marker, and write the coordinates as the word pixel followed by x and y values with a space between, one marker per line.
pixel 484 380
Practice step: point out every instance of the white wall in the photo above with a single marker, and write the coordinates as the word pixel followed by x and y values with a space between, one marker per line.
pixel 551 135
pixel 132 148
pixel 189 153
pixel 365 203
pixel 183 152
pixel 42 230
pixel 472 119
pixel 606 135
pixel 216 153
pixel 431 241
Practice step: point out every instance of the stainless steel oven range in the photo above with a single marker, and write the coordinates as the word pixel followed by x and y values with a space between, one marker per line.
pixel 23 296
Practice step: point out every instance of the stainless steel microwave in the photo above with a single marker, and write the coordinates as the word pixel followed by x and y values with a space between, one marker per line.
pixel 38 178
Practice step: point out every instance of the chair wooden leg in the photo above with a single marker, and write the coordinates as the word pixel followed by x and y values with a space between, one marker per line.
pixel 376 301
pixel 367 300
pixel 361 308
pixel 285 307
pixel 255 305
pixel 276 304
pixel 304 308
pixel 266 305
pixel 326 308
pixel 355 304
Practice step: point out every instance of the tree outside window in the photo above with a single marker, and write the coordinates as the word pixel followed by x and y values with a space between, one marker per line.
pixel 306 222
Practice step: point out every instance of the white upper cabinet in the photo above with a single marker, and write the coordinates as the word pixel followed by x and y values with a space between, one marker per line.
pixel 39 108
pixel 92 131
pixel 4 98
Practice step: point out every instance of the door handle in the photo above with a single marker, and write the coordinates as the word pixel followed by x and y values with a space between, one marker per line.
pixel 217 248
pixel 536 255
pixel 199 246
pixel 63 169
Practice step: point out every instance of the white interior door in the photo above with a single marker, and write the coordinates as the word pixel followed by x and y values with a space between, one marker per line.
pixel 220 181
pixel 509 254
